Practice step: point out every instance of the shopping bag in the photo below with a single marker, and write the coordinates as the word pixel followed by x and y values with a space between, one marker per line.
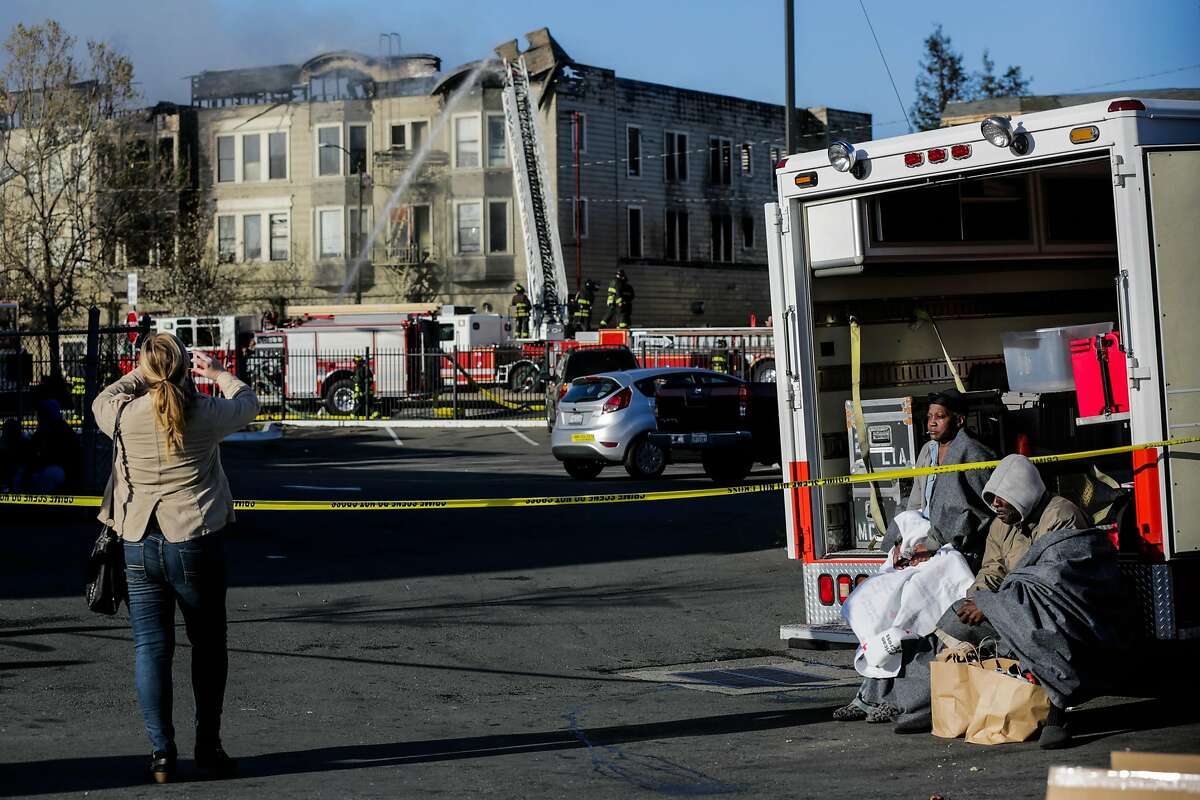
pixel 1008 707
pixel 953 695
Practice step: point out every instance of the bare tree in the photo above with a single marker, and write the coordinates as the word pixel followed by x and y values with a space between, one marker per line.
pixel 60 204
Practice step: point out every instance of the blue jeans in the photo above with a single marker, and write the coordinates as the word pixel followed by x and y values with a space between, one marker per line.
pixel 192 574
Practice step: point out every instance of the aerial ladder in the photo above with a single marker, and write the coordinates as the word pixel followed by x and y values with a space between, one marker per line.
pixel 547 276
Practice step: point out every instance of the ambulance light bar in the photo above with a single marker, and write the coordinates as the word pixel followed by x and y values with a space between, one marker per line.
pixel 1126 105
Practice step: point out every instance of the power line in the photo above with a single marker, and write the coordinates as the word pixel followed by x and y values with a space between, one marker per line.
pixel 882 57
pixel 1138 78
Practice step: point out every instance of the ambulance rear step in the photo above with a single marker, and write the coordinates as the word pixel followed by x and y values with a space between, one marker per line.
pixel 802 634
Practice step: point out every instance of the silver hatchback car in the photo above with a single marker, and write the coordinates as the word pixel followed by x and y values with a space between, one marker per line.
pixel 602 420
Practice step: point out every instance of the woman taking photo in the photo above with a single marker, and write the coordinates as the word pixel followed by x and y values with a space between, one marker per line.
pixel 168 498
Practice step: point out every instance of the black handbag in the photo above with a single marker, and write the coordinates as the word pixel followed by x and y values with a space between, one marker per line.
pixel 106 586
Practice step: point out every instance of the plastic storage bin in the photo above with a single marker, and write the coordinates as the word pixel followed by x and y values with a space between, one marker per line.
pixel 1040 361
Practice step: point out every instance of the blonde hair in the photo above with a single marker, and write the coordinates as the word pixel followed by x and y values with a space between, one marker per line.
pixel 171 390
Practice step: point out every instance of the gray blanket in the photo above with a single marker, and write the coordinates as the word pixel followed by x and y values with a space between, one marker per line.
pixel 1058 611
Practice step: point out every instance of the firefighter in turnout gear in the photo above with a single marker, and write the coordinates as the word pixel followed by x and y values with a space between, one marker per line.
pixel 362 386
pixel 520 311
pixel 620 302
pixel 584 299
pixel 718 361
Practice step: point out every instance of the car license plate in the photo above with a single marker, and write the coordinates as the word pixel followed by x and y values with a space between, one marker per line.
pixel 583 437
pixel 574 419
pixel 699 438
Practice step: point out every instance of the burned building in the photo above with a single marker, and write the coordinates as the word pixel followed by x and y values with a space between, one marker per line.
pixel 666 183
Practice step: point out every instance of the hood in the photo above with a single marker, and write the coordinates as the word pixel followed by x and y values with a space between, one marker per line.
pixel 1016 480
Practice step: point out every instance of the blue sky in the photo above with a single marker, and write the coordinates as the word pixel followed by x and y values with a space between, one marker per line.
pixel 731 47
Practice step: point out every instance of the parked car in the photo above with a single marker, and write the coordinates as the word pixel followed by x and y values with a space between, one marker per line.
pixel 583 361
pixel 603 420
pixel 723 422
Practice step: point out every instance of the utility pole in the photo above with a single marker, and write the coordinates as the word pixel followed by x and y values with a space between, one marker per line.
pixel 789 104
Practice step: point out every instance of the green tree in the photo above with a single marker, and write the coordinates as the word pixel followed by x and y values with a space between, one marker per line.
pixel 987 84
pixel 941 80
pixel 1014 84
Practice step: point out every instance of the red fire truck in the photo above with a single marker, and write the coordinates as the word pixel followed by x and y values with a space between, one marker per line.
pixel 991 251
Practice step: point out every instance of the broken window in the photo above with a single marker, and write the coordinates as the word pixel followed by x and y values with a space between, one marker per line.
pixel 277 154
pixel 720 161
pixel 675 158
pixel 722 237
pixel 225 159
pixel 466 142
pixel 280 237
pixel 635 231
pixel 358 149
pixel 633 151
pixel 578 132
pixel 747 232
pixel 329 231
pixel 251 157
pixel 774 156
pixel 417 131
pixel 747 159
pixel 399 138
pixel 677 243
pixel 329 154
pixel 497 153
pixel 468 222
pixel 497 226
pixel 251 237
pixel 226 239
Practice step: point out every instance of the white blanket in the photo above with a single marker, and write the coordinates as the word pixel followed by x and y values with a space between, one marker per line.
pixel 903 604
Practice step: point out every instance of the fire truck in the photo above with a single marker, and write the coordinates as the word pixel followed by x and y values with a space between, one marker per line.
pixel 1048 262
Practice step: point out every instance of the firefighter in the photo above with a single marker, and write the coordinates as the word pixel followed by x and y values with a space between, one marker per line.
pixel 572 307
pixel 584 299
pixel 362 386
pixel 620 302
pixel 520 311
pixel 719 360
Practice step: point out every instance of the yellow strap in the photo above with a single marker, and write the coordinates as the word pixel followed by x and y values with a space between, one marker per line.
pixel 860 427
pixel 922 314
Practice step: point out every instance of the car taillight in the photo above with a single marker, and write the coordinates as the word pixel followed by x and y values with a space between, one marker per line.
pixel 825 589
pixel 562 390
pixel 844 587
pixel 1126 105
pixel 743 400
pixel 618 401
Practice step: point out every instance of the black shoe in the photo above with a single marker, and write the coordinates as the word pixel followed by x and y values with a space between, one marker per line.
pixel 1055 734
pixel 215 761
pixel 914 725
pixel 162 766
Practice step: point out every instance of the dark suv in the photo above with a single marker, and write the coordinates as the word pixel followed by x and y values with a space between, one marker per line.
pixel 584 361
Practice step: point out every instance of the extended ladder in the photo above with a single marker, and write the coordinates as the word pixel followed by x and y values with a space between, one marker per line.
pixel 535 199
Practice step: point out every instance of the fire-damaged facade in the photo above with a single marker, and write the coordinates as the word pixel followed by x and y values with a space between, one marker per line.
pixel 666 183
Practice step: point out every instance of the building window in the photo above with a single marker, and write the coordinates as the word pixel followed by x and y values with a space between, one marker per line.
pixel 747 232
pixel 277 155
pixel 675 158
pixel 358 149
pixel 633 151
pixel 497 152
pixel 329 233
pixel 635 231
pixel 579 218
pixel 720 161
pixel 399 139
pixel 416 134
pixel 466 142
pixel 747 160
pixel 226 239
pixel 252 157
pixel 722 238
pixel 467 222
pixel 329 157
pixel 677 243
pixel 775 155
pixel 225 159
pixel 497 226
pixel 579 120
pixel 252 237
pixel 408 135
pixel 280 237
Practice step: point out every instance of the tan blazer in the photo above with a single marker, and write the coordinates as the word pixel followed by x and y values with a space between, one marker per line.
pixel 186 491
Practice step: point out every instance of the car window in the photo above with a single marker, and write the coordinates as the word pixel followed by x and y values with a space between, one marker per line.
pixel 583 362
pixel 675 380
pixel 708 379
pixel 586 389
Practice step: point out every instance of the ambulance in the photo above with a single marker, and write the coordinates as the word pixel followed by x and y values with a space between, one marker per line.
pixel 1049 263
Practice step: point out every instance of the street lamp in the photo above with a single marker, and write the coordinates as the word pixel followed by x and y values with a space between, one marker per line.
pixel 349 255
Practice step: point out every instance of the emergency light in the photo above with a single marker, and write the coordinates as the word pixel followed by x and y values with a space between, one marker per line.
pixel 997 130
pixel 841 156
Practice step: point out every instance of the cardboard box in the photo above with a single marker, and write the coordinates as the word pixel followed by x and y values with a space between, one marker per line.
pixel 1134 776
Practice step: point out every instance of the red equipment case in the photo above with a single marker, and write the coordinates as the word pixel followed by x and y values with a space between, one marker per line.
pixel 1101 383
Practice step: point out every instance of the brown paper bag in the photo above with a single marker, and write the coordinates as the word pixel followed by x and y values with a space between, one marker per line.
pixel 953 696
pixel 1007 708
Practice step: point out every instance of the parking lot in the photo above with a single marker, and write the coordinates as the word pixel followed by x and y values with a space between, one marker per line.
pixel 548 652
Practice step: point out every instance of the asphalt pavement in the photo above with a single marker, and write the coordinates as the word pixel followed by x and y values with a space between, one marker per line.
pixel 537 652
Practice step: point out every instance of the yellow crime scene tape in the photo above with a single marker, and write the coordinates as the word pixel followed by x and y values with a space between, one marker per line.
pixel 84 501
